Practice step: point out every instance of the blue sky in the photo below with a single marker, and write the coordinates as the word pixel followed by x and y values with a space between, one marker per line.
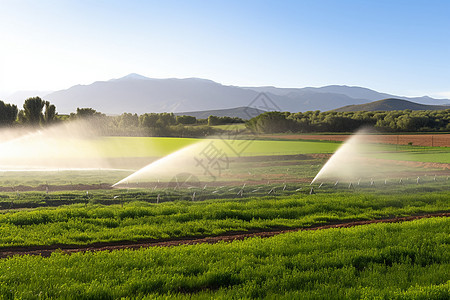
pixel 399 47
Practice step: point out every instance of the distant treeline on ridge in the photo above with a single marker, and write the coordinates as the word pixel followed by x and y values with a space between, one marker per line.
pixel 38 112
pixel 316 121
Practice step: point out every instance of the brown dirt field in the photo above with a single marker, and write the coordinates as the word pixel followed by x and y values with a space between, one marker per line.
pixel 46 251
pixel 433 140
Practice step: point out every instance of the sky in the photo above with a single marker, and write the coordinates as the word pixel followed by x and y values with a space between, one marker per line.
pixel 399 47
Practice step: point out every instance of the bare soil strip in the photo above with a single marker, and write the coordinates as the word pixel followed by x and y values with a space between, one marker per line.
pixel 434 140
pixel 46 251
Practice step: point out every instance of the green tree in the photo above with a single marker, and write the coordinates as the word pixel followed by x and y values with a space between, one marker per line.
pixel 85 113
pixel 186 120
pixel 50 113
pixel 8 114
pixel 128 120
pixel 148 120
pixel 32 111
pixel 213 120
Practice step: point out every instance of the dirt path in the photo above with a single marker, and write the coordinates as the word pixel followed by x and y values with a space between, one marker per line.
pixel 435 140
pixel 46 251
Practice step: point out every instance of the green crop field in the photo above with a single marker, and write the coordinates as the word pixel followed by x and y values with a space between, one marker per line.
pixel 388 261
pixel 106 216
pixel 158 147
pixel 266 187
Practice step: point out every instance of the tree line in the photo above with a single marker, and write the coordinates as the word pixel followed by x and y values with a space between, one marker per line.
pixel 35 112
pixel 38 112
pixel 316 121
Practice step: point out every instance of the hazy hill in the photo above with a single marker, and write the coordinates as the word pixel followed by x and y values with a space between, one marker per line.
pixel 138 94
pixel 244 113
pixel 389 105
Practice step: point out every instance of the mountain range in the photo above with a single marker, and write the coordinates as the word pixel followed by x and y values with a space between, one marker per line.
pixel 138 94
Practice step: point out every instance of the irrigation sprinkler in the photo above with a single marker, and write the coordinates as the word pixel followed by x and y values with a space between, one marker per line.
pixel 158 198
pixel 284 187
pixel 372 183
pixel 434 179
pixel 272 190
pixel 385 182
pixel 46 190
pixel 311 192
pixel 400 181
pixel 350 186
pixel 204 188
pixel 193 196
pixel 337 182
pixel 299 189
pixel 359 181
pixel 418 179
pixel 320 185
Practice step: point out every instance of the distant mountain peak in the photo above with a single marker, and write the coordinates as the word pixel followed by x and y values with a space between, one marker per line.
pixel 133 76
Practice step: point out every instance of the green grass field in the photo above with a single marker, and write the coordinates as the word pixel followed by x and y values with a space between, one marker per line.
pixel 158 147
pixel 379 261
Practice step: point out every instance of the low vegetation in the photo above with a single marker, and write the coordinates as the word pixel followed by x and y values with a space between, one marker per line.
pixel 390 261
pixel 136 215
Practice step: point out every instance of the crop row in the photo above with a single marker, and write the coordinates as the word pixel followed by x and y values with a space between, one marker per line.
pixel 396 261
pixel 84 224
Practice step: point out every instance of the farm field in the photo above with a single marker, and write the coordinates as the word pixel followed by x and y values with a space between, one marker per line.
pixel 404 260
pixel 264 189
pixel 429 140
pixel 158 147
pixel 105 216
